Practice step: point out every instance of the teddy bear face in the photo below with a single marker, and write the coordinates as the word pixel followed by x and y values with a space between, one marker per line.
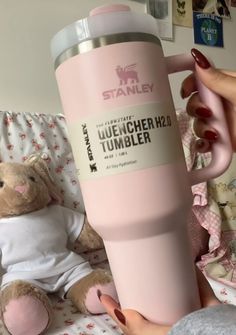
pixel 21 190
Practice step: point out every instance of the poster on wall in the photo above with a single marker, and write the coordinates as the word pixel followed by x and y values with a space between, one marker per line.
pixel 161 10
pixel 208 29
pixel 216 7
pixel 182 13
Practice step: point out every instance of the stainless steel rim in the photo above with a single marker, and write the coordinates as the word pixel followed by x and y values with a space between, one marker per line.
pixel 98 42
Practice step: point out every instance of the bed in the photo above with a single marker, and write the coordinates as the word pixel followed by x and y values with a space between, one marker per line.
pixel 23 134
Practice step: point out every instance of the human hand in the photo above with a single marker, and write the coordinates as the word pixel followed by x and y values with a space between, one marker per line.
pixel 219 81
pixel 132 323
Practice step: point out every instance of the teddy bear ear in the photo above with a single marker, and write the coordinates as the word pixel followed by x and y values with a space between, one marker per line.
pixel 41 168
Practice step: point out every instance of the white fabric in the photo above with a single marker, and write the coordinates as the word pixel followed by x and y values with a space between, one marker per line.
pixel 35 245
pixel 61 283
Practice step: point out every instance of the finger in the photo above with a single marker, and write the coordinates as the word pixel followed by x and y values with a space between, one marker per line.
pixel 131 322
pixel 188 86
pixel 221 83
pixel 122 317
pixel 135 324
pixel 196 108
pixel 229 73
pixel 202 146
pixel 230 113
pixel 207 295
pixel 204 131
pixel 201 127
pixel 113 310
pixel 109 304
pixel 216 80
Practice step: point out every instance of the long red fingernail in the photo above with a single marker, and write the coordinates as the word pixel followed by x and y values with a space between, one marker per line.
pixel 120 316
pixel 182 93
pixel 203 112
pixel 200 59
pixel 210 135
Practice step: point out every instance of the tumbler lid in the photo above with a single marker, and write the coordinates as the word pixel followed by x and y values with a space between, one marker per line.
pixel 105 20
pixel 109 9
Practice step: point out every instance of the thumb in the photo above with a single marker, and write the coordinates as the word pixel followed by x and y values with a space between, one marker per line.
pixel 224 84
pixel 130 321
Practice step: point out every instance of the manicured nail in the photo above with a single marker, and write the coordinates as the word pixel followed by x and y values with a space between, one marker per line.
pixel 182 93
pixel 203 112
pixel 99 293
pixel 200 59
pixel 120 316
pixel 210 135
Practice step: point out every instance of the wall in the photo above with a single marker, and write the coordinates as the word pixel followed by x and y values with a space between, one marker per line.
pixel 27 81
pixel 222 57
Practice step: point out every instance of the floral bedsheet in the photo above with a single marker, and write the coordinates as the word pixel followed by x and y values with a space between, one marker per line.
pixel 68 321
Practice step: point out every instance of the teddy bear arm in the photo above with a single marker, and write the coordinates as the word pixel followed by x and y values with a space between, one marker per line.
pixel 89 238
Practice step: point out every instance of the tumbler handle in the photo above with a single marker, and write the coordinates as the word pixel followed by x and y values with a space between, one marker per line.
pixel 222 148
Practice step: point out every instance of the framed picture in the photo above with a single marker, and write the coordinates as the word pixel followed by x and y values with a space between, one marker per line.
pixel 216 7
pixel 162 11
pixel 182 13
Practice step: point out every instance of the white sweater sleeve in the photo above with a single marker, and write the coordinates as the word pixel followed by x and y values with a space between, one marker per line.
pixel 217 320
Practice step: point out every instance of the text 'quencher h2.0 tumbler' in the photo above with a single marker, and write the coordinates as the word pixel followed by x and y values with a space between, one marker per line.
pixel 113 82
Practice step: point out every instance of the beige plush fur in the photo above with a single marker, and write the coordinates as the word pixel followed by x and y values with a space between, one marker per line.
pixel 41 190
pixel 78 291
pixel 13 203
pixel 20 288
pixel 89 238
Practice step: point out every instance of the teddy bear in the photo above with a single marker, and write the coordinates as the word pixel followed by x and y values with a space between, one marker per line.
pixel 35 234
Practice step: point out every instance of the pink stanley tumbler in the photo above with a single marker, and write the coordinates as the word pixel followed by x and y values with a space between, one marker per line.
pixel 113 82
